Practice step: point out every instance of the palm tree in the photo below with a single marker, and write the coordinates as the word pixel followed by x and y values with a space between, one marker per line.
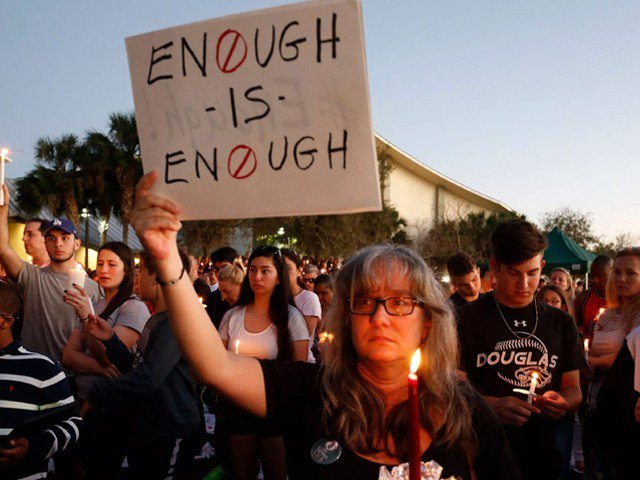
pixel 103 190
pixel 56 181
pixel 127 164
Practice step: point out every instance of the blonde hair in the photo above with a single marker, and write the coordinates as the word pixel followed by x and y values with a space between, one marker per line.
pixel 631 310
pixel 354 410
pixel 233 273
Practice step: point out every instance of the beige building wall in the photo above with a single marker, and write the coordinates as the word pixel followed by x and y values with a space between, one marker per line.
pixel 423 196
pixel 413 197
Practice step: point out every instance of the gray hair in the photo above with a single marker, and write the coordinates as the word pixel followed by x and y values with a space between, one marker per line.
pixel 354 410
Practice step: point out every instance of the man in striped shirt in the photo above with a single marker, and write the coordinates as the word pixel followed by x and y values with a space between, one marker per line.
pixel 34 397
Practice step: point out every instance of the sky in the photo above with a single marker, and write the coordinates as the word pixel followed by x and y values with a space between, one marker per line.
pixel 536 104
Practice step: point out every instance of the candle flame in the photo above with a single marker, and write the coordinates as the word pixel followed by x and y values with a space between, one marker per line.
pixel 4 152
pixel 601 311
pixel 535 375
pixel 415 361
pixel 586 344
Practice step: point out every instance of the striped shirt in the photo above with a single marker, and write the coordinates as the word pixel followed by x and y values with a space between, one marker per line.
pixel 31 384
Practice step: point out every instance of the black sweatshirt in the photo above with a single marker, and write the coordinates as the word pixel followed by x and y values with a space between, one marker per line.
pixel 156 387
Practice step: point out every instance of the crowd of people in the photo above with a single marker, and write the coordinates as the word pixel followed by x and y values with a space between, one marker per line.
pixel 303 362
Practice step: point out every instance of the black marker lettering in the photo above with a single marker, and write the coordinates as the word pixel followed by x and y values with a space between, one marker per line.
pixel 292 44
pixel 333 40
pixel 154 60
pixel 201 65
pixel 273 43
pixel 234 114
pixel 342 149
pixel 213 169
pixel 248 96
pixel 309 152
pixel 169 163
pixel 284 155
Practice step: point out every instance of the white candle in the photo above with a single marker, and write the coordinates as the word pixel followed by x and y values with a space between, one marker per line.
pixel 201 302
pixel 3 158
pixel 532 387
pixel 237 345
pixel 586 349
pixel 77 276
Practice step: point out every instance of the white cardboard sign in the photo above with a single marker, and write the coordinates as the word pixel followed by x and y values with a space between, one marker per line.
pixel 260 114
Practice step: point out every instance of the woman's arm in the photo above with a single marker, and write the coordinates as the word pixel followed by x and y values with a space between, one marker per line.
pixel 74 359
pixel 312 323
pixel 300 350
pixel 239 378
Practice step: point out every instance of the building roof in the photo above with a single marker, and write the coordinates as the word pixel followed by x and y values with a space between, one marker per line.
pixel 415 166
pixel 114 232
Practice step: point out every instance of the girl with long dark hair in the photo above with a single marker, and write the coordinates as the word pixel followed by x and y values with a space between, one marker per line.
pixel 120 307
pixel 265 325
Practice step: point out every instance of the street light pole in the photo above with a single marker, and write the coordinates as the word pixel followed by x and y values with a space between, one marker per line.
pixel 85 214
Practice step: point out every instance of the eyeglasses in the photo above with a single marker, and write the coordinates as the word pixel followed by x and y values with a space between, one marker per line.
pixel 308 280
pixel 396 306
pixel 15 316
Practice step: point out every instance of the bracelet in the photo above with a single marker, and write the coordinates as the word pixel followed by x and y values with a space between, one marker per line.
pixel 168 283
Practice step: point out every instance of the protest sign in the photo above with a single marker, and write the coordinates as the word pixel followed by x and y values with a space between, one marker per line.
pixel 260 114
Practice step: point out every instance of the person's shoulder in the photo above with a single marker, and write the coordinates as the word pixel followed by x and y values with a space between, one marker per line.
pixel 634 336
pixel 472 312
pixel 37 365
pixel 294 314
pixel 134 305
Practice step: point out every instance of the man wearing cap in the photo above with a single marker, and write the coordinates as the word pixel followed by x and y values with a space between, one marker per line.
pixel 48 321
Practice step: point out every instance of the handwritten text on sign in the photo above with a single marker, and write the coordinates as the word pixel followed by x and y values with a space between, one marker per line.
pixel 261 114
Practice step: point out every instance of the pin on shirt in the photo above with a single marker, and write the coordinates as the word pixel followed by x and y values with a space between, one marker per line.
pixel 325 452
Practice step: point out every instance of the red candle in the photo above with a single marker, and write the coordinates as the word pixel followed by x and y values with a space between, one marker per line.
pixel 414 419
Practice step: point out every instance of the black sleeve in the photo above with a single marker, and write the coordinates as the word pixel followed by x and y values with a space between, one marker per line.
pixel 119 354
pixel 572 351
pixel 494 459
pixel 289 386
pixel 140 382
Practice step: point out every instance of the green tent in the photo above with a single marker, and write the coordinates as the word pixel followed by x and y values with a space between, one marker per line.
pixel 564 252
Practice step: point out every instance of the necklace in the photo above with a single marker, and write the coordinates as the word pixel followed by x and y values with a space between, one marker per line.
pixel 535 327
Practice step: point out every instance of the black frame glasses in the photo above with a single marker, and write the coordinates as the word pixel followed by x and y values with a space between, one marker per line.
pixel 392 305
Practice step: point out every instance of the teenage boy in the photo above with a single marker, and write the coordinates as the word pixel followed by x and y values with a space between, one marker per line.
pixel 589 302
pixel 154 403
pixel 465 277
pixel 31 385
pixel 48 320
pixel 508 338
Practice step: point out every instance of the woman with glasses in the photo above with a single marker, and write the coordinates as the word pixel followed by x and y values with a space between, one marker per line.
pixel 263 325
pixel 306 300
pixel 348 419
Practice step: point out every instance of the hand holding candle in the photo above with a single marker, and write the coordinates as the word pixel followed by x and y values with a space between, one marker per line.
pixel 414 419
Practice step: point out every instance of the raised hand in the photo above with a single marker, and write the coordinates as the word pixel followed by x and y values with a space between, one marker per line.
pixel 98 328
pixel 155 219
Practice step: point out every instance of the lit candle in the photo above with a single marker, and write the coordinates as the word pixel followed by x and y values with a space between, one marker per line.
pixel 414 419
pixel 201 302
pixel 532 387
pixel 237 345
pixel 600 312
pixel 4 152
pixel 586 349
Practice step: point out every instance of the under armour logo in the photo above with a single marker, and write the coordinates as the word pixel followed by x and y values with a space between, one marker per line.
pixel 523 323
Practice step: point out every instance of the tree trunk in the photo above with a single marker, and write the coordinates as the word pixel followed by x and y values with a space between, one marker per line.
pixel 128 194
pixel 71 207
